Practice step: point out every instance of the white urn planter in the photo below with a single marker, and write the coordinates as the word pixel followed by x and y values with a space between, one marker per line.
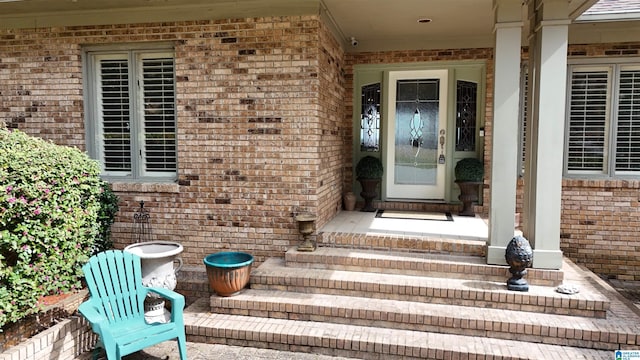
pixel 158 260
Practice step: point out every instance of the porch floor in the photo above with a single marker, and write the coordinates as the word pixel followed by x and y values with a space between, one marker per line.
pixel 358 222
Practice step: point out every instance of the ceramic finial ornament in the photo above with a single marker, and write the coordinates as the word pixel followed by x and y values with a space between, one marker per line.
pixel 519 256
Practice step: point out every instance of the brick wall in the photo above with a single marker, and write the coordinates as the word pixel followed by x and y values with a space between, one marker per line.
pixel 41 84
pixel 600 223
pixel 264 119
pixel 601 217
pixel 54 333
pixel 333 128
pixel 259 128
pixel 71 338
pixel 19 332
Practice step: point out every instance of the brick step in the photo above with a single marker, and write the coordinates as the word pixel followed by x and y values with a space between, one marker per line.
pixel 450 319
pixel 404 243
pixel 274 275
pixel 362 341
pixel 419 264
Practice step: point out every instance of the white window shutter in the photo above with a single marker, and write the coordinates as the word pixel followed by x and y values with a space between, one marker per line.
pixel 114 108
pixel 524 112
pixel 159 123
pixel 628 114
pixel 588 113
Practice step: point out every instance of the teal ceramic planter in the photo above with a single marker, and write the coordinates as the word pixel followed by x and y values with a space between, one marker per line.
pixel 228 272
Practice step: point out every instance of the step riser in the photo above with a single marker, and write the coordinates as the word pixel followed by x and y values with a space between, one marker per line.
pixel 403 243
pixel 332 347
pixel 388 262
pixel 416 322
pixel 471 298
pixel 365 342
pixel 425 268
pixel 324 346
pixel 276 343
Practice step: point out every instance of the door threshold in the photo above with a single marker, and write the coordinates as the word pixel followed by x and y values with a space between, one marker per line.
pixel 426 201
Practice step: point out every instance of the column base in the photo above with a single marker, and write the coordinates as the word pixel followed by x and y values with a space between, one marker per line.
pixel 542 259
pixel 547 259
pixel 495 255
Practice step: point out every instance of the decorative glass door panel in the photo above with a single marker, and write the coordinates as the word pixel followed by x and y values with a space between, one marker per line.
pixel 417 123
pixel 416 139
pixel 370 118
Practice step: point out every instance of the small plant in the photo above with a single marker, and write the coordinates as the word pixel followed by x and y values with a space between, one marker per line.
pixel 49 207
pixel 106 217
pixel 369 167
pixel 469 169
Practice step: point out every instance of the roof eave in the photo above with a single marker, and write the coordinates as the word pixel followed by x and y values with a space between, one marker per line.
pixel 630 16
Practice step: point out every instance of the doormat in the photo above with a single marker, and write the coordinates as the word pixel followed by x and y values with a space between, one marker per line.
pixel 414 215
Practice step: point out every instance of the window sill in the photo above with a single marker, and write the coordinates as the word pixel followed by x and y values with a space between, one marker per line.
pixel 602 183
pixel 145 187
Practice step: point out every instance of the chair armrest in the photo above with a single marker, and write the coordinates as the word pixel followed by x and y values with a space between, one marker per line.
pixel 88 310
pixel 177 300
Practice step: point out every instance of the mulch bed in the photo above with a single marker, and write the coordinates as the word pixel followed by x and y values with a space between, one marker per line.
pixel 55 308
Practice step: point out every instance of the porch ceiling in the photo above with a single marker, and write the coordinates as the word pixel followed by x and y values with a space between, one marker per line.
pixel 376 24
pixel 393 25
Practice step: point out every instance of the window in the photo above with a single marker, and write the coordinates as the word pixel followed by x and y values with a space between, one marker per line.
pixel 466 104
pixel 370 118
pixel 603 120
pixel 523 113
pixel 131 115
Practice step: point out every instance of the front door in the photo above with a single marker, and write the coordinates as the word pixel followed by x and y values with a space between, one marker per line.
pixel 416 134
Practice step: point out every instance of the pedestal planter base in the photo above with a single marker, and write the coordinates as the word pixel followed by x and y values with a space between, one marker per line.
pixel 369 193
pixel 158 260
pixel 468 195
pixel 228 272
pixel 305 225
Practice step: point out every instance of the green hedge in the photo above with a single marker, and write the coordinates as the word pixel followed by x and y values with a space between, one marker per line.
pixel 106 217
pixel 50 208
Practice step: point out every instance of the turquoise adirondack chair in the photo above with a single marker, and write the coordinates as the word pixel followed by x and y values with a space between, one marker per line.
pixel 115 308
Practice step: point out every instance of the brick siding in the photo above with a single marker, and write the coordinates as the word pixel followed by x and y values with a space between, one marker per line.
pixel 335 130
pixel 264 132
pixel 601 217
pixel 600 223
pixel 54 333
pixel 71 338
pixel 259 124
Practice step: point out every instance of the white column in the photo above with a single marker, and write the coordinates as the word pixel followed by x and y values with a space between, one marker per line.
pixel 543 172
pixel 504 148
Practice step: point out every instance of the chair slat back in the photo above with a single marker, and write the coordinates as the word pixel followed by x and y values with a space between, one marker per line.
pixel 115 277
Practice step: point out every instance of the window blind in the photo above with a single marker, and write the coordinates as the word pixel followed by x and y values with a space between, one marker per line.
pixel 159 115
pixel 115 111
pixel 524 112
pixel 588 103
pixel 628 130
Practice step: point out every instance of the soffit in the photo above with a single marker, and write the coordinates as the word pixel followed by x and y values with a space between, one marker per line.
pixel 377 25
pixel 393 25
pixel 45 13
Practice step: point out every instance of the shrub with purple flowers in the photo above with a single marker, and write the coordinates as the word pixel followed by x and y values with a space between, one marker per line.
pixel 49 209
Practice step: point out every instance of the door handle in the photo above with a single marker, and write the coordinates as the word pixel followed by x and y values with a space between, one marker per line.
pixel 441 158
